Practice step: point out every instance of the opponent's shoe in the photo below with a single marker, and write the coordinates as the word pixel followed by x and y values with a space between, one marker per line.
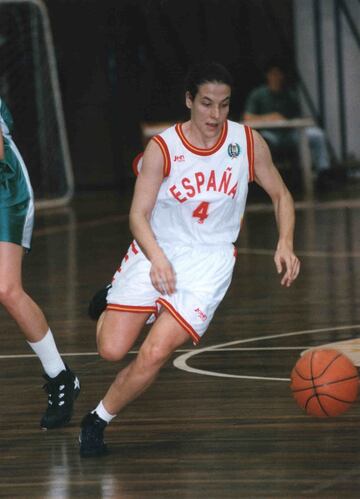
pixel 98 303
pixel 62 392
pixel 91 438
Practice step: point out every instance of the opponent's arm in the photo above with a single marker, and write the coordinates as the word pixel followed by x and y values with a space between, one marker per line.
pixel 267 176
pixel 146 190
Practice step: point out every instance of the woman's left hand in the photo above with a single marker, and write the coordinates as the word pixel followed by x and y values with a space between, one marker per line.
pixel 286 260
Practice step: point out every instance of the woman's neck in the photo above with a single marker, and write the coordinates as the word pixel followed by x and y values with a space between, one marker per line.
pixel 196 138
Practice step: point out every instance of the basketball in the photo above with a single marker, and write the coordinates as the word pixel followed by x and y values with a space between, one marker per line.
pixel 324 383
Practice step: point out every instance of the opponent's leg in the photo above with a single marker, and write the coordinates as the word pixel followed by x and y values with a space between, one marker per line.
pixel 20 306
pixel 62 385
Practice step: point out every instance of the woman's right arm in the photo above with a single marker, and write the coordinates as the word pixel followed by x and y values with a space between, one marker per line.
pixel 147 188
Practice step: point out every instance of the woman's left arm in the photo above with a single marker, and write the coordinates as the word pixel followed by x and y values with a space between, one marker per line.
pixel 268 177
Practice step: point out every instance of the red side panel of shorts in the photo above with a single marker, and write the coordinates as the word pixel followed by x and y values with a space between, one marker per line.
pixel 130 308
pixel 188 328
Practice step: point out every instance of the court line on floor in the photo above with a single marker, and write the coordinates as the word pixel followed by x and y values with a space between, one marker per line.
pixel 134 352
pixel 223 347
pixel 302 253
pixel 71 354
pixel 304 205
pixel 251 208
pixel 58 229
pixel 181 361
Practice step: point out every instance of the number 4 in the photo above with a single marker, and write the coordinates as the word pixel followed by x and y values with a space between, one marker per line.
pixel 201 212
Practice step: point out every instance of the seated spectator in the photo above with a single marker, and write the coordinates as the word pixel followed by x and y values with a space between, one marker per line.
pixel 276 101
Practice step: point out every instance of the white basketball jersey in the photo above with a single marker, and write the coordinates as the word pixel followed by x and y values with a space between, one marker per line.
pixel 202 198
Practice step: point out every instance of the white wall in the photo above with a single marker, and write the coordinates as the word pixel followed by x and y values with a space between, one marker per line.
pixel 307 64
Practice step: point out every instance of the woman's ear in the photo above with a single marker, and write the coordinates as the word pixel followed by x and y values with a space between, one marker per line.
pixel 188 100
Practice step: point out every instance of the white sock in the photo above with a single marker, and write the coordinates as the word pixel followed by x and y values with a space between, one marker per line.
pixel 103 414
pixel 48 354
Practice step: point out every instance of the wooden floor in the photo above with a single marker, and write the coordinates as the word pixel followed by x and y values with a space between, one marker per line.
pixel 220 421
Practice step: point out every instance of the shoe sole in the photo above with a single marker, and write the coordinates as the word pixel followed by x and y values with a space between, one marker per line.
pixel 67 419
pixel 97 453
pixel 101 453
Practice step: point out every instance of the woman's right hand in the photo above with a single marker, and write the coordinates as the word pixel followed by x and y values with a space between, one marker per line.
pixel 162 275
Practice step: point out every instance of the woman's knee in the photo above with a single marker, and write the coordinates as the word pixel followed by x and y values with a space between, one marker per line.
pixel 116 333
pixel 109 344
pixel 107 351
pixel 9 294
pixel 153 356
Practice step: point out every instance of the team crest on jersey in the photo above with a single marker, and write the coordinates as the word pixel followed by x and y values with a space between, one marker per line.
pixel 234 150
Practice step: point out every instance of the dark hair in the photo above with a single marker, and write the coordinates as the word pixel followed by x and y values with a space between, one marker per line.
pixel 277 62
pixel 206 72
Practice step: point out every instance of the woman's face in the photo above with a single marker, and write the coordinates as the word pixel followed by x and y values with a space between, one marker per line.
pixel 210 108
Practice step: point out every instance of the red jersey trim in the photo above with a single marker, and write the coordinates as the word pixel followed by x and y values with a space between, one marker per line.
pixel 198 150
pixel 130 308
pixel 250 152
pixel 185 325
pixel 135 163
pixel 165 152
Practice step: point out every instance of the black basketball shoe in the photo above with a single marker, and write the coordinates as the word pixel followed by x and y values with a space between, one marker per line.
pixel 62 392
pixel 91 438
pixel 98 303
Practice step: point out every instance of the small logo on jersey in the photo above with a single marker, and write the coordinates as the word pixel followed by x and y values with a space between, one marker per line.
pixel 200 314
pixel 179 158
pixel 234 150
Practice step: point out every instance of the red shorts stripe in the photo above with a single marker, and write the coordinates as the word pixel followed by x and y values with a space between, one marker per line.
pixel 130 308
pixel 185 325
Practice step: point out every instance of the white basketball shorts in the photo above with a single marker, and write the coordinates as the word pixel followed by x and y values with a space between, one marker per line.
pixel 203 275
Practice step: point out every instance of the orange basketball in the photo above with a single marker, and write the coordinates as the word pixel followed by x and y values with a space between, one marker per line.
pixel 324 383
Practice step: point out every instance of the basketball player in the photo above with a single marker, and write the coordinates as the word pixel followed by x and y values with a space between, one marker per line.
pixel 16 225
pixel 185 215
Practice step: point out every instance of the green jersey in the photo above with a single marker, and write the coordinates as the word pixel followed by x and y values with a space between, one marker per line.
pixel 6 121
pixel 263 101
pixel 16 195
